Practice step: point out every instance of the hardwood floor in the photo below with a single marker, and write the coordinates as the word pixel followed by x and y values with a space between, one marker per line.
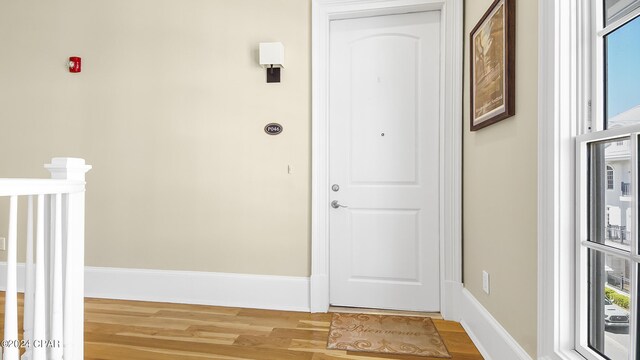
pixel 135 330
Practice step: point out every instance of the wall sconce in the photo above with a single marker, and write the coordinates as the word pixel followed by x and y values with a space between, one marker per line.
pixel 272 59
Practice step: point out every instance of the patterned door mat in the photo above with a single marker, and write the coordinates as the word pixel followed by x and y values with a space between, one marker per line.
pixel 387 334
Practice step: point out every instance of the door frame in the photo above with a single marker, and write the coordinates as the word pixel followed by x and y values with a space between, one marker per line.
pixel 450 159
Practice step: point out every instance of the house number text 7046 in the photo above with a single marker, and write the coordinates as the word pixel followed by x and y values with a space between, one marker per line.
pixel 273 129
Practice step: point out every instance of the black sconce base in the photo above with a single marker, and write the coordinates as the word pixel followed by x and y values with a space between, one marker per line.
pixel 273 75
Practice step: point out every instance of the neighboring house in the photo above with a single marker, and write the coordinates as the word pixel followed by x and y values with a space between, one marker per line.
pixel 618 198
pixel 618 210
pixel 625 118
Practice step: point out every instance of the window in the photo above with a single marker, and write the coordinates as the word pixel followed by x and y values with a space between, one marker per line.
pixel 616 9
pixel 608 253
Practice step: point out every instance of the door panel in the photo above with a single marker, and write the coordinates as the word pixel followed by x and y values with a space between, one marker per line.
pixel 397 236
pixel 379 98
pixel 384 138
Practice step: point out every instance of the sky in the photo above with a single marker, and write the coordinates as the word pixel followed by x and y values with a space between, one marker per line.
pixel 623 68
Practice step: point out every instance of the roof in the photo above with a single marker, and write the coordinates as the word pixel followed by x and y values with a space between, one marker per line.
pixel 628 117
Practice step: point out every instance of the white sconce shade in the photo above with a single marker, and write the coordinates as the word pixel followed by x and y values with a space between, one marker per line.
pixel 272 55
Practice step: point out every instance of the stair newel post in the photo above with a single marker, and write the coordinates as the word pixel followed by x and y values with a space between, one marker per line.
pixel 73 226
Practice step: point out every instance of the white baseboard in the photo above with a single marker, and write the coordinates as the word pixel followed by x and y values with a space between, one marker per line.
pixel 191 287
pixel 491 339
pixel 3 276
pixel 194 287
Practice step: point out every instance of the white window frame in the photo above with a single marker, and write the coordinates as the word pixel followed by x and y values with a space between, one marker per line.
pixel 561 102
pixel 566 50
pixel 582 271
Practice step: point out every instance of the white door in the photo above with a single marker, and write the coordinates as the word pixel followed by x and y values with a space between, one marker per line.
pixel 384 157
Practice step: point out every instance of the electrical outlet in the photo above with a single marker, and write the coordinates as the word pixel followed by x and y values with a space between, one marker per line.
pixel 485 281
pixel 3 244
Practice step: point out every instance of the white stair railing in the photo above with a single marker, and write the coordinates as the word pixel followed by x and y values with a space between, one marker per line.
pixel 54 269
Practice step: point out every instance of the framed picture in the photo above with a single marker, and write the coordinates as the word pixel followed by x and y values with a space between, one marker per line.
pixel 493 45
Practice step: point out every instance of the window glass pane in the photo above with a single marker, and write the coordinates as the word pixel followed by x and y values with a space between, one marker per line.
pixel 615 9
pixel 609 305
pixel 610 193
pixel 622 96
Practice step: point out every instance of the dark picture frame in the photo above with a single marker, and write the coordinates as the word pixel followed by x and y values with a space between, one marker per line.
pixel 493 65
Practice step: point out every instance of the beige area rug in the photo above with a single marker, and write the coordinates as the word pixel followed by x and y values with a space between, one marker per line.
pixel 389 334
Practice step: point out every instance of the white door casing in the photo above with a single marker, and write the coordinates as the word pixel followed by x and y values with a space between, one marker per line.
pixel 450 81
pixel 384 153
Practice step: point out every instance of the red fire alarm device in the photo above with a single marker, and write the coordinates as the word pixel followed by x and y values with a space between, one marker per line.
pixel 75 64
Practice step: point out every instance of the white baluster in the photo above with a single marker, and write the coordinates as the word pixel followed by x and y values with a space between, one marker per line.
pixel 28 291
pixel 11 348
pixel 56 300
pixel 39 306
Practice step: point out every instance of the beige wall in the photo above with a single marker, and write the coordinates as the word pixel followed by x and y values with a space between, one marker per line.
pixel 169 109
pixel 500 190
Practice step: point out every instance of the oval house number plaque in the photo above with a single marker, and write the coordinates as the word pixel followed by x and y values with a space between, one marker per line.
pixel 273 129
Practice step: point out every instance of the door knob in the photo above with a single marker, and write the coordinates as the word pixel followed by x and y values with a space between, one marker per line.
pixel 335 204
